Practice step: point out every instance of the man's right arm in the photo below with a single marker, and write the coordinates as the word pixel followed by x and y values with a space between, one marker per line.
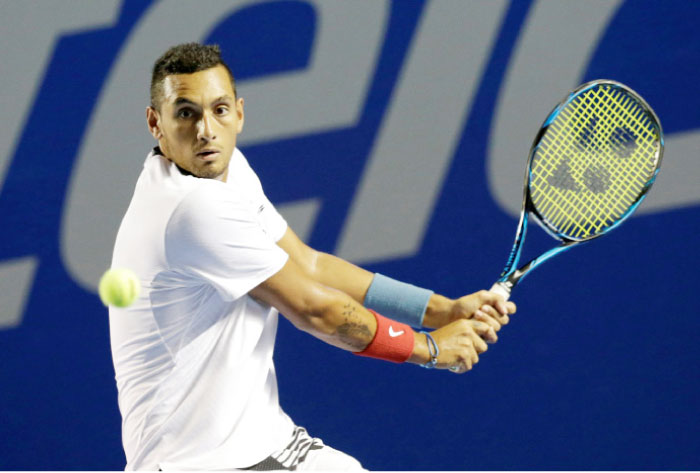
pixel 336 318
pixel 335 272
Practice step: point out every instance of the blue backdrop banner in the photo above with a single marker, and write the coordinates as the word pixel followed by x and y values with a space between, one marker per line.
pixel 393 134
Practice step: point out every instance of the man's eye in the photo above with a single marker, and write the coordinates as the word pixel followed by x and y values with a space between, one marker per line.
pixel 221 110
pixel 184 113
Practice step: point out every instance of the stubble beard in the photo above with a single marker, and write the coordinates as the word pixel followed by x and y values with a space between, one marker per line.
pixel 211 170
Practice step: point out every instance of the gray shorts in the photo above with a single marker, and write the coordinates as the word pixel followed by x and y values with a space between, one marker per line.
pixel 306 453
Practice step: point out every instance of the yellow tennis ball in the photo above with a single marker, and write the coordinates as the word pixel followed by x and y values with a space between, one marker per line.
pixel 119 287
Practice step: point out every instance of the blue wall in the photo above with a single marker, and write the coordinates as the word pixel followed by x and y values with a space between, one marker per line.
pixel 599 368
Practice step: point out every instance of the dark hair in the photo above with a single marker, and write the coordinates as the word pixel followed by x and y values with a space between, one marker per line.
pixel 185 59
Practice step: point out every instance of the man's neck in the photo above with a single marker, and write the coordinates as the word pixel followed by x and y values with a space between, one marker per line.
pixel 222 177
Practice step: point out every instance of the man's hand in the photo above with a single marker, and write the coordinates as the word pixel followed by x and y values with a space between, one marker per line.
pixel 459 342
pixel 483 306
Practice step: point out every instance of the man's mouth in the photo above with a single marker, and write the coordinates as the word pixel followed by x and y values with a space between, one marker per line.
pixel 208 154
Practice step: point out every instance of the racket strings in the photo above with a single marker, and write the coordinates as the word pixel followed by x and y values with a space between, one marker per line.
pixel 597 175
pixel 593 162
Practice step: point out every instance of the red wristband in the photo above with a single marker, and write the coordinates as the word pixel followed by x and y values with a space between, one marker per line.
pixel 393 341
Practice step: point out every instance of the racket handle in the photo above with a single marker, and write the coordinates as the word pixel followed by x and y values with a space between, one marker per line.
pixel 501 289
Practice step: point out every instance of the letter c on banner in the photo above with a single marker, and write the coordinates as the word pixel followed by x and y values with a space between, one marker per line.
pixel 30 33
pixel 116 140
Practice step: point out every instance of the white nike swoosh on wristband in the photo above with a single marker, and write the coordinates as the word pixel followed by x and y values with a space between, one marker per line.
pixel 394 334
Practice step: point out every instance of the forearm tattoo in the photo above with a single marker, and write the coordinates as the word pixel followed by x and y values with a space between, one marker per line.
pixel 353 331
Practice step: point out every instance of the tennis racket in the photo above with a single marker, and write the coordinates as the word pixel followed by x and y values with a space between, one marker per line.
pixel 591 164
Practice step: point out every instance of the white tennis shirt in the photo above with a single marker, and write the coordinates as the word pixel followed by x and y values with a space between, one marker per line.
pixel 193 355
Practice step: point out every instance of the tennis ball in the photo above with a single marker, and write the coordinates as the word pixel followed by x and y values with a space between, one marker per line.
pixel 119 287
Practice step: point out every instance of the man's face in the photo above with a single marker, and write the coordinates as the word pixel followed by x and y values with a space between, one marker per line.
pixel 198 121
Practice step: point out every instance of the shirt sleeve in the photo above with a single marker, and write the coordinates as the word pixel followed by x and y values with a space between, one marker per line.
pixel 273 220
pixel 275 223
pixel 215 236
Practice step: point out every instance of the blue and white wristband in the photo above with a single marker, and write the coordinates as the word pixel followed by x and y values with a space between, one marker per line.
pixel 398 300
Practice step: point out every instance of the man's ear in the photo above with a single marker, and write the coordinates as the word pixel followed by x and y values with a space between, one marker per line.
pixel 153 120
pixel 239 112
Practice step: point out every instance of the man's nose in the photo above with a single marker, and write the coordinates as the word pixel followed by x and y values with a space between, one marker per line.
pixel 204 129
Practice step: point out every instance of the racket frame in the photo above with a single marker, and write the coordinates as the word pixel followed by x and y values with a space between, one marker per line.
pixel 512 274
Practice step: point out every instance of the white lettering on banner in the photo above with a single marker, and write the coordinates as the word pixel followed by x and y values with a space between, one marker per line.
pixel 550 58
pixel 26 51
pixel 302 216
pixel 16 278
pixel 29 33
pixel 117 140
pixel 424 124
pixel 679 179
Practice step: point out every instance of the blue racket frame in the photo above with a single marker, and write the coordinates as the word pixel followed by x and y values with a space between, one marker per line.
pixel 512 274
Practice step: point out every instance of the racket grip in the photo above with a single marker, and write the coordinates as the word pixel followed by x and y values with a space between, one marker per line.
pixel 499 288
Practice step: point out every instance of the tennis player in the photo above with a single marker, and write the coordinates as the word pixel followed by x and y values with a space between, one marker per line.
pixel 193 355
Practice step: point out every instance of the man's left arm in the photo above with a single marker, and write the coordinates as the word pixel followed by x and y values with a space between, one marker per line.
pixel 344 276
pixel 327 269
